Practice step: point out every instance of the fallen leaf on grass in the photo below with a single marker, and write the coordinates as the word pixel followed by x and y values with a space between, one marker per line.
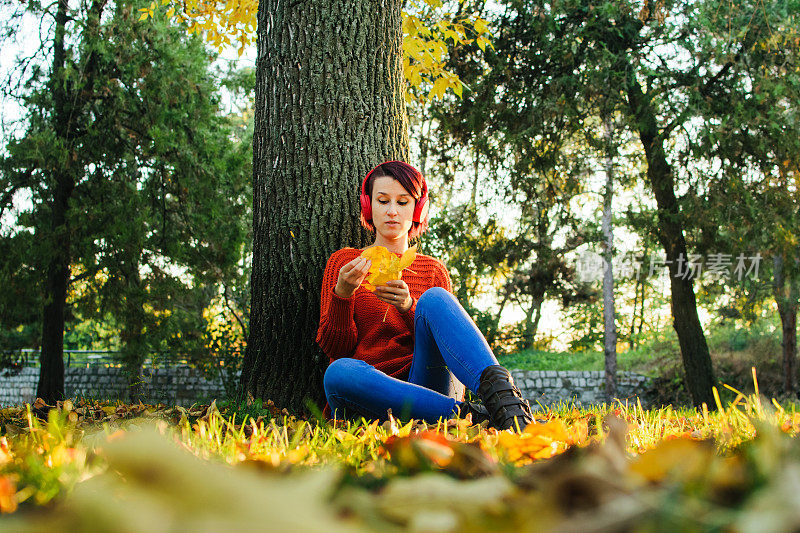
pixel 792 424
pixel 5 451
pixel 8 491
pixel 685 458
pixel 431 450
pixel 433 502
pixel 539 441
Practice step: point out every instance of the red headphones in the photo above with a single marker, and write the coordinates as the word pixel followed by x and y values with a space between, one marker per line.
pixel 420 209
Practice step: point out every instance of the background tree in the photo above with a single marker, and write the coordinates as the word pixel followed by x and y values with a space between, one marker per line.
pixel 159 187
pixel 750 127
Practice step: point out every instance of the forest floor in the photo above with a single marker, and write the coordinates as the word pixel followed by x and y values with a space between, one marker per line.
pixel 90 466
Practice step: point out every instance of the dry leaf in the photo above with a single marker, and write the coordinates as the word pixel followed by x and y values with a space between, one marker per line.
pixel 8 501
pixel 386 266
pixel 538 441
pixel 684 457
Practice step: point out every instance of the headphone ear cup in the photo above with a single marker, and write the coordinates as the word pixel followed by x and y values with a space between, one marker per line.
pixel 366 207
pixel 421 209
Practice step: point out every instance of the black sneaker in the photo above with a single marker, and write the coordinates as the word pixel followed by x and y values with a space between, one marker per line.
pixel 478 411
pixel 507 408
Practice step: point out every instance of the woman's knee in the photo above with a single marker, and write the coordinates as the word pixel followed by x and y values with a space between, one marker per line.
pixel 434 296
pixel 340 373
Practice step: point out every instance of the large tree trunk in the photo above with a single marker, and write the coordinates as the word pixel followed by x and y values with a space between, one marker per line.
pixel 694 350
pixel 609 323
pixel 69 99
pixel 786 296
pixel 329 106
pixel 51 358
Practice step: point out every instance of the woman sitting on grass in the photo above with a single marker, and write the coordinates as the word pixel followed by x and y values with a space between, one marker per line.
pixel 406 358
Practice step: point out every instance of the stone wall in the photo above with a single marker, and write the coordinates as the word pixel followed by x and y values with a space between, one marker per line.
pixel 182 385
pixel 175 385
pixel 582 388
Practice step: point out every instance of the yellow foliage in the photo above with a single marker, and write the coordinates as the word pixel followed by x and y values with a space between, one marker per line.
pixel 426 28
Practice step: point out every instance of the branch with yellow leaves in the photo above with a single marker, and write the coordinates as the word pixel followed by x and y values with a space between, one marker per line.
pixel 429 27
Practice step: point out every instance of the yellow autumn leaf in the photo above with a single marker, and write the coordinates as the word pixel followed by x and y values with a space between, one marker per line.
pixel 458 88
pixel 537 441
pixel 480 26
pixel 450 34
pixel 386 266
pixel 439 88
pixel 687 458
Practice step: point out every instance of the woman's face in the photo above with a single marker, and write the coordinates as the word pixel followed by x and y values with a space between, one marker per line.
pixel 392 208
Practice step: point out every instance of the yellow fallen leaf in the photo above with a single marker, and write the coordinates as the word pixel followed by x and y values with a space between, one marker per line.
pixel 687 457
pixel 386 266
pixel 5 452
pixel 537 441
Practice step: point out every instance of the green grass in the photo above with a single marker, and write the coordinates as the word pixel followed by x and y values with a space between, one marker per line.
pixel 92 466
pixel 647 360
pixel 734 351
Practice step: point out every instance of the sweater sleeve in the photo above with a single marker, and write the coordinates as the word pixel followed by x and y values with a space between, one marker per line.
pixel 337 334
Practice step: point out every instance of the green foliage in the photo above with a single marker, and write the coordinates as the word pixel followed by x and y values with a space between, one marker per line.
pixel 159 218
pixel 734 347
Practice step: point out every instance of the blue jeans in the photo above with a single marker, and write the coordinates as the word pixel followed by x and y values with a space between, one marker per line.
pixel 449 353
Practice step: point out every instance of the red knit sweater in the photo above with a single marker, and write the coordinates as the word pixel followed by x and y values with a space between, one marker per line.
pixel 354 327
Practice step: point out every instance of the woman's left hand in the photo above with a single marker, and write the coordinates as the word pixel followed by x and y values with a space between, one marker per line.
pixel 396 293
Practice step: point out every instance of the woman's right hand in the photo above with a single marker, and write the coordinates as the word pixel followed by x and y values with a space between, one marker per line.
pixel 351 275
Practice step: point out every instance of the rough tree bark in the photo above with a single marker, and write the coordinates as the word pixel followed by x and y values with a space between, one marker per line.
pixel 133 348
pixel 694 349
pixel 329 106
pixel 631 336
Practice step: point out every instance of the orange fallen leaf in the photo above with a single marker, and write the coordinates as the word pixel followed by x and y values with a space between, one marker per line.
pixel 431 450
pixel 5 452
pixel 537 441
pixel 8 501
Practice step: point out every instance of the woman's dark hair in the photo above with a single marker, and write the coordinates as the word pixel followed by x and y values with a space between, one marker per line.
pixel 411 180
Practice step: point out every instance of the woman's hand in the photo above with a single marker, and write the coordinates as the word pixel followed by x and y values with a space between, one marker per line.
pixel 350 276
pixel 395 292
